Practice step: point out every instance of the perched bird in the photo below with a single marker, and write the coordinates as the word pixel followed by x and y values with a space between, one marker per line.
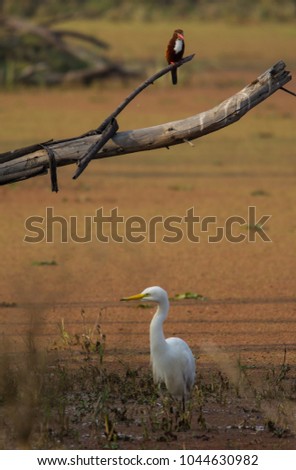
pixel 172 360
pixel 175 51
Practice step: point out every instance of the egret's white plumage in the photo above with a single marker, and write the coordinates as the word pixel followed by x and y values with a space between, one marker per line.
pixel 172 360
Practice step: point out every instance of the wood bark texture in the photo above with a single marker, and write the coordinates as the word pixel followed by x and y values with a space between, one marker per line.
pixel 35 160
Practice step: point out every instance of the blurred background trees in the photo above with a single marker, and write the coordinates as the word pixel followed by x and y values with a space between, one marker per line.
pixel 283 10
pixel 37 46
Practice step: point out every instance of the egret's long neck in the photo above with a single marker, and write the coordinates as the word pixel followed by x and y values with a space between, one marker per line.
pixel 157 339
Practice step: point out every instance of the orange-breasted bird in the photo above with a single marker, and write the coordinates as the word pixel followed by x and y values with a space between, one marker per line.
pixel 175 51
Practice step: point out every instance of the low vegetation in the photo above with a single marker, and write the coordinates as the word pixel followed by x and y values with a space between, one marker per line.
pixel 71 396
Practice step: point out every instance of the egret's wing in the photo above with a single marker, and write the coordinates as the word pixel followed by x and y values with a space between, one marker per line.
pixel 183 361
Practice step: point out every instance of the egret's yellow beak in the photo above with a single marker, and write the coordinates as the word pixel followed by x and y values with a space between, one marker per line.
pixel 134 297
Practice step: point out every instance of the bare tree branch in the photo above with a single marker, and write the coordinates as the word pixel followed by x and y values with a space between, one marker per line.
pixel 142 87
pixel 108 132
pixel 111 124
pixel 28 162
pixel 84 37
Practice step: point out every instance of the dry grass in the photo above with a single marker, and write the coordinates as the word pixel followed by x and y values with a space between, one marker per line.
pixel 71 397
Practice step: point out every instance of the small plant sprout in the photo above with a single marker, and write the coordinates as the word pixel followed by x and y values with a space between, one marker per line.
pixel 188 295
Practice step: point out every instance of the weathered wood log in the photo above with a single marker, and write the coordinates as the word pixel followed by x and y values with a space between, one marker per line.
pixel 25 163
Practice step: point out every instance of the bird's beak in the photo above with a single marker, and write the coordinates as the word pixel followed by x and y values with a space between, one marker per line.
pixel 134 297
pixel 180 36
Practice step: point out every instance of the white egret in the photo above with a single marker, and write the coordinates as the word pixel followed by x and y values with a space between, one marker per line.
pixel 172 360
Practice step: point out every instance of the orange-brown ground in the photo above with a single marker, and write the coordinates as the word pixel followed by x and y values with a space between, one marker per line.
pixel 249 313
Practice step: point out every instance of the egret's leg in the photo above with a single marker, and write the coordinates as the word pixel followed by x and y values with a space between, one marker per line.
pixel 183 404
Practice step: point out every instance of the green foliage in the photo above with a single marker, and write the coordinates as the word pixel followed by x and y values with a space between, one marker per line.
pixel 45 263
pixel 259 192
pixel 188 295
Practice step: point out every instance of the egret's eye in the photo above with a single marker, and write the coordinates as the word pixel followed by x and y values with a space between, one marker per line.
pixel 148 294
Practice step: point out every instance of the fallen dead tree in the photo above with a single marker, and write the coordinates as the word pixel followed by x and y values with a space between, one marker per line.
pixel 43 54
pixel 105 141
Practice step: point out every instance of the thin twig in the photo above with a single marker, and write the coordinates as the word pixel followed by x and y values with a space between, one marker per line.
pixel 138 90
pixel 107 133
pixel 111 119
pixel 288 91
pixel 52 168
